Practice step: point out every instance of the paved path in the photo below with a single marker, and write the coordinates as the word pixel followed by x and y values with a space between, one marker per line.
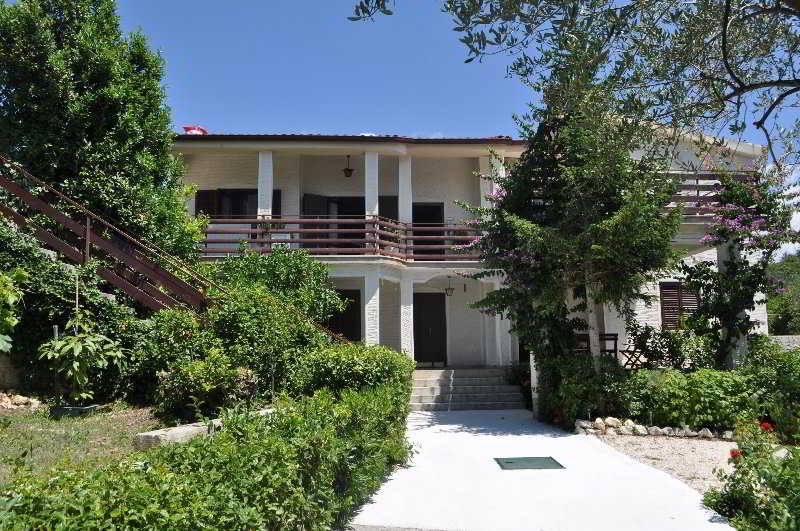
pixel 453 482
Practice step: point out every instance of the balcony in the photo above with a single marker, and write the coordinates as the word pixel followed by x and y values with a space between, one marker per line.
pixel 340 236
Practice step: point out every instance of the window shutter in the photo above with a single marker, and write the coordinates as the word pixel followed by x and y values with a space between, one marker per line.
pixel 206 201
pixel 670 305
pixel 676 301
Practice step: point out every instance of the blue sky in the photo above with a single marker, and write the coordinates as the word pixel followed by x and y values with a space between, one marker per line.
pixel 291 66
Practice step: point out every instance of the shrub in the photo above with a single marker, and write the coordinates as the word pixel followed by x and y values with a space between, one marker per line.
pixel 681 349
pixel 776 377
pixel 10 295
pixel 305 467
pixel 291 274
pixel 763 491
pixel 49 299
pixel 77 352
pixel 257 331
pixel 575 386
pixel 348 366
pixel 167 339
pixel 201 387
pixel 704 398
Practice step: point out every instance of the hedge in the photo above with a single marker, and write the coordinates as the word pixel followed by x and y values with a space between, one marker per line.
pixel 306 466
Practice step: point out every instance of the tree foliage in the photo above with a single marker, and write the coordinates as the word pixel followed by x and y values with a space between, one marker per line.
pixel 711 64
pixel 576 223
pixel 82 106
pixel 751 222
pixel 783 306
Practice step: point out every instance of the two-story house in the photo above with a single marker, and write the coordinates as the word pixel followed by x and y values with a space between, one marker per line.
pixel 383 213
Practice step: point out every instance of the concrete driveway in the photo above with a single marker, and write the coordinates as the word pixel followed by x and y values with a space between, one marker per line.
pixel 453 483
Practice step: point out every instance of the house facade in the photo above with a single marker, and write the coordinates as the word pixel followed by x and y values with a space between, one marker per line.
pixel 384 213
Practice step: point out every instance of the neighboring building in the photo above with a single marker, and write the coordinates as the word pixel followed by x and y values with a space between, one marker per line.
pixel 382 212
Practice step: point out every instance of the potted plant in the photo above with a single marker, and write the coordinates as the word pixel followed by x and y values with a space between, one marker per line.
pixel 74 356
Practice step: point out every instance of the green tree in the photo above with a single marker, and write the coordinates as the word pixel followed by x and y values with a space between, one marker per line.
pixel 783 306
pixel 750 224
pixel 708 64
pixel 82 106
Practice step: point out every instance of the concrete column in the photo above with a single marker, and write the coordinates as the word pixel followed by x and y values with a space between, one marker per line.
pixel 484 167
pixel 265 183
pixel 404 192
pixel 407 316
pixel 490 166
pixel 371 183
pixel 372 304
pixel 726 253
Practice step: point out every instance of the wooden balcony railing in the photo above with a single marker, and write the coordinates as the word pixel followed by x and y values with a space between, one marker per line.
pixel 365 235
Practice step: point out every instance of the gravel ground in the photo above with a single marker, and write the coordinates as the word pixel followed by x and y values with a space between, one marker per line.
pixel 693 461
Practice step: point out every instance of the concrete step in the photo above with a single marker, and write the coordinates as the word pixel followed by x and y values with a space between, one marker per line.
pixel 488 380
pixel 433 390
pixel 426 374
pixel 472 397
pixel 466 406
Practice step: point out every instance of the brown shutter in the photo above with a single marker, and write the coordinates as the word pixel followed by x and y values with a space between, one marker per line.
pixel 670 305
pixel 676 301
pixel 206 201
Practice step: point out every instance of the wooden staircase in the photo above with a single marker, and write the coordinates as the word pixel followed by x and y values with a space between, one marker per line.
pixel 135 266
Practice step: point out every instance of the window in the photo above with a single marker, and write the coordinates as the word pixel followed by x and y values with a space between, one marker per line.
pixel 676 301
pixel 232 202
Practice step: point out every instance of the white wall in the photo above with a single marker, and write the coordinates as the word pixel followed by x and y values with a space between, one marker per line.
pixel 390 314
pixel 651 314
pixel 444 181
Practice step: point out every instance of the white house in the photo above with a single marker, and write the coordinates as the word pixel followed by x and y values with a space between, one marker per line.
pixel 382 212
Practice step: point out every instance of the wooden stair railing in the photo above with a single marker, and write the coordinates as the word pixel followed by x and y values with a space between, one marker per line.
pixel 132 265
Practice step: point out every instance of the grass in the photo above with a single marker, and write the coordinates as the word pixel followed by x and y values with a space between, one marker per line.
pixel 34 441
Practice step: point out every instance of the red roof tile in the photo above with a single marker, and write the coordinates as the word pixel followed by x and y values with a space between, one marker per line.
pixel 501 139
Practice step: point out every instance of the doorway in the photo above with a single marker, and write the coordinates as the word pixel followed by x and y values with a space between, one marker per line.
pixel 430 215
pixel 430 330
pixel 348 322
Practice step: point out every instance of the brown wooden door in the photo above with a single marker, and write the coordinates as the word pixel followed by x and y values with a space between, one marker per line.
pixel 430 329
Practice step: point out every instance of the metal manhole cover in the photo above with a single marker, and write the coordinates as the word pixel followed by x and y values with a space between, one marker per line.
pixel 528 463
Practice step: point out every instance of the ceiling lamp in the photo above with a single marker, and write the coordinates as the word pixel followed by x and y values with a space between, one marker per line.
pixel 348 171
pixel 449 289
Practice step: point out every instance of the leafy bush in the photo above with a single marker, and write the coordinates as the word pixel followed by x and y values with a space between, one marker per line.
pixel 49 299
pixel 348 366
pixel 10 295
pixel 257 331
pixel 305 467
pixel 167 339
pixel 201 387
pixel 704 398
pixel 763 491
pixel 291 274
pixel 77 352
pixel 776 377
pixel 575 386
pixel 681 349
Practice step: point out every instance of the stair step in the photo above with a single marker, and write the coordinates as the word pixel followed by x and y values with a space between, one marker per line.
pixel 487 380
pixel 466 406
pixel 426 374
pixel 432 390
pixel 452 398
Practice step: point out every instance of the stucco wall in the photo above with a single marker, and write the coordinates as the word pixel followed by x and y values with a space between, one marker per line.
pixel 390 314
pixel 651 314
pixel 445 181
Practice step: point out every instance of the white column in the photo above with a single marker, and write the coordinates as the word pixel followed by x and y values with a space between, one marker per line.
pixel 372 304
pixel 265 183
pixel 484 167
pixel 371 183
pixel 404 192
pixel 407 316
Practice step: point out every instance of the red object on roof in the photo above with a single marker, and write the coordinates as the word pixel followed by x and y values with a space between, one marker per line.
pixel 195 130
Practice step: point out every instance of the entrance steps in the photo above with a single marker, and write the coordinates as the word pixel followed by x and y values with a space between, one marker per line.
pixel 464 389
